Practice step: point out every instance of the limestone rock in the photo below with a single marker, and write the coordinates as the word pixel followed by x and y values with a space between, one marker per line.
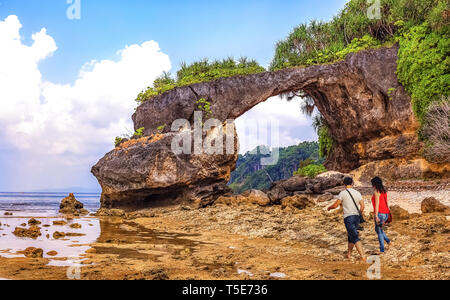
pixel 32 252
pixel 399 214
pixel 299 202
pixel 369 113
pixel 103 212
pixel 431 205
pixel 33 232
pixel 71 206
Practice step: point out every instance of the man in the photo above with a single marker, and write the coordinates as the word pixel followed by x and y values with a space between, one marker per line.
pixel 351 216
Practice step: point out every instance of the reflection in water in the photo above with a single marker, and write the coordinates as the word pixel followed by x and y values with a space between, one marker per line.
pixel 69 247
pixel 111 235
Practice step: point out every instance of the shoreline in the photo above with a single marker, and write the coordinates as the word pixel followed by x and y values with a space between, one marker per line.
pixel 232 242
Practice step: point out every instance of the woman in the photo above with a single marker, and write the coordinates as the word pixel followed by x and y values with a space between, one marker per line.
pixel 381 211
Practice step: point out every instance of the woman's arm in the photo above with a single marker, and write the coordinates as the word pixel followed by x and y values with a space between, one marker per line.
pixel 377 206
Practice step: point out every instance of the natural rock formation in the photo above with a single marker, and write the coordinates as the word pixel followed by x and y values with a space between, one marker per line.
pixel 32 252
pixel 147 172
pixel 432 205
pixel 33 232
pixel 399 214
pixel 369 114
pixel 253 197
pixel 299 185
pixel 70 205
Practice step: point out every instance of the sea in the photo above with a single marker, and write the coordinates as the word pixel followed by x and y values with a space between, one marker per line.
pixel 43 203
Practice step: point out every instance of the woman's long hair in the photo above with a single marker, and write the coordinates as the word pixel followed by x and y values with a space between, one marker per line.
pixel 377 183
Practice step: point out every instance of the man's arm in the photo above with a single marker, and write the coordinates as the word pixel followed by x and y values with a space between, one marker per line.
pixel 363 205
pixel 335 205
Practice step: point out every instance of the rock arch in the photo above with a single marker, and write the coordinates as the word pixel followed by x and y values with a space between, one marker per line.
pixel 369 114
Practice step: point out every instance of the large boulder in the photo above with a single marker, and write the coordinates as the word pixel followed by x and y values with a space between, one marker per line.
pixel 432 205
pixel 306 186
pixel 399 214
pixel 71 206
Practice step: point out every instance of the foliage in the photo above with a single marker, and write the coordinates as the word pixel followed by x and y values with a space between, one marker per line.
pixel 249 173
pixel 205 106
pixel 424 65
pixel 201 71
pixel 161 128
pixel 118 141
pixel 352 30
pixel 139 132
pixel 311 171
pixel 326 141
pixel 437 131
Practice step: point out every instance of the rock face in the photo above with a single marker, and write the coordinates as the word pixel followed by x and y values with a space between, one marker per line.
pixel 369 114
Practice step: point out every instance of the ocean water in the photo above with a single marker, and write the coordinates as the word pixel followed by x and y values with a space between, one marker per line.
pixel 45 204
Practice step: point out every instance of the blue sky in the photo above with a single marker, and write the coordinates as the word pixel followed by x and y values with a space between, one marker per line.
pixel 184 30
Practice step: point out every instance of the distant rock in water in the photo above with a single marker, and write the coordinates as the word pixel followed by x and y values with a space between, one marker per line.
pixel 71 206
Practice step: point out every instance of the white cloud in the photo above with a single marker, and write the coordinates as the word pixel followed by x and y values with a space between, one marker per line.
pixel 44 117
pixel 76 121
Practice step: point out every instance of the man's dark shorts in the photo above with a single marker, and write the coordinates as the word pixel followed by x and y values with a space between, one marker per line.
pixel 352 224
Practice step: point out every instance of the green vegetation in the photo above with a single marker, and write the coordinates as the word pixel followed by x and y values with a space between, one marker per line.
pixel 137 134
pixel 420 27
pixel 311 170
pixel 424 65
pixel 201 71
pixel 205 106
pixel 118 141
pixel 161 128
pixel 249 173
pixel 352 30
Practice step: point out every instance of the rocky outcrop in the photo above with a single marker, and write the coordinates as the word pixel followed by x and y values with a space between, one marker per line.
pixel 72 206
pixel 369 114
pixel 299 185
pixel 432 205
pixel 147 173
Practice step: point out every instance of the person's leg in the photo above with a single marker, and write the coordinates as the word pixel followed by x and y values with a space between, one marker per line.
pixel 360 249
pixel 350 250
pixel 353 225
pixel 383 219
pixel 380 235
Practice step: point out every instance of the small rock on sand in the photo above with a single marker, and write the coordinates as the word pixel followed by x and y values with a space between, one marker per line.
pixel 33 232
pixel 75 226
pixel 32 252
pixel 52 253
pixel 8 214
pixel 59 223
pixel 58 235
pixel 33 221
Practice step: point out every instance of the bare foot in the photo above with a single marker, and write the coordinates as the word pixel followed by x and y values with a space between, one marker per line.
pixel 347 255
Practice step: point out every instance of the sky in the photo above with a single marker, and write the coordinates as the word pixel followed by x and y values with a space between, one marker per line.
pixel 67 85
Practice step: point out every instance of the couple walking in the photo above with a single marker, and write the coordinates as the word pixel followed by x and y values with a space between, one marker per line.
pixel 353 205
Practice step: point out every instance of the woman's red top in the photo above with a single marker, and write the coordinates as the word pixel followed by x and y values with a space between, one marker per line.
pixel 383 208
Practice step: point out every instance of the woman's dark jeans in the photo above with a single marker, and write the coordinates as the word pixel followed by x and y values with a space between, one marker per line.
pixel 382 237
pixel 352 224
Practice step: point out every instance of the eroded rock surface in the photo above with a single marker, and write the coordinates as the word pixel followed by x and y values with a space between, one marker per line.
pixel 70 205
pixel 369 114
